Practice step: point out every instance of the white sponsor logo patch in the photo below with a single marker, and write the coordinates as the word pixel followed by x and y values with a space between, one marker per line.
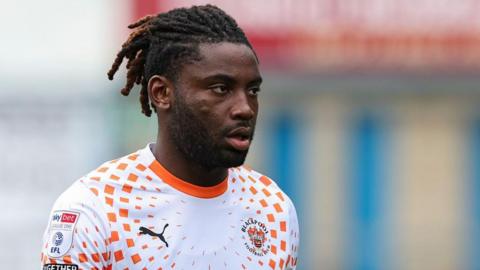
pixel 61 230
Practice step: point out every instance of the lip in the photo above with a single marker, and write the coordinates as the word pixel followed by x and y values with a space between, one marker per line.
pixel 239 138
pixel 239 143
pixel 241 132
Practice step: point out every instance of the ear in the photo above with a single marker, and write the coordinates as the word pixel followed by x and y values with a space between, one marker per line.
pixel 160 91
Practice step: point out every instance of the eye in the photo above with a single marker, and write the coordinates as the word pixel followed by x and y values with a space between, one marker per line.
pixel 219 89
pixel 254 91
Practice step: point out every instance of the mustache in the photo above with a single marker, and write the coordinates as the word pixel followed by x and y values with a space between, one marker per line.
pixel 245 124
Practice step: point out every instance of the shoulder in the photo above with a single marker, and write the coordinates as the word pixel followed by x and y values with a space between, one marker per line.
pixel 265 189
pixel 83 195
pixel 116 169
pixel 80 201
pixel 259 182
pixel 77 196
pixel 117 174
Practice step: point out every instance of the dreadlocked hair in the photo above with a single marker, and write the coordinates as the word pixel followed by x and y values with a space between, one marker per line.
pixel 161 44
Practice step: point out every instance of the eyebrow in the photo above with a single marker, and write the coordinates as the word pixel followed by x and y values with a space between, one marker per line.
pixel 230 79
pixel 257 80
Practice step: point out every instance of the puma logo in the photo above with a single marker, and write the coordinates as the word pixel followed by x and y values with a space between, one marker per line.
pixel 144 230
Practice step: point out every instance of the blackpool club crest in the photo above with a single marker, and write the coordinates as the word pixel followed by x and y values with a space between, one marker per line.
pixel 256 236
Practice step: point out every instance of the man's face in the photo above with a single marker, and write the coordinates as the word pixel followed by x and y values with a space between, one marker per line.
pixel 215 106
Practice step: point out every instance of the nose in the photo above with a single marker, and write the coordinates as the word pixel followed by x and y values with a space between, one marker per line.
pixel 244 107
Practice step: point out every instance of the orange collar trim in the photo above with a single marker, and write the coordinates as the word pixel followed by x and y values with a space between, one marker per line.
pixel 188 188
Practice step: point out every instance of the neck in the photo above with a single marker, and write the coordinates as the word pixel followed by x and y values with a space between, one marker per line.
pixel 189 171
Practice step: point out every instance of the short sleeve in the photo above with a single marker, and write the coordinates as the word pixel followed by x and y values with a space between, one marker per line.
pixel 77 234
pixel 294 238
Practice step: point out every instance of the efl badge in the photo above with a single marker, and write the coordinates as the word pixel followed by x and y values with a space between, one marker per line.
pixel 61 231
pixel 256 238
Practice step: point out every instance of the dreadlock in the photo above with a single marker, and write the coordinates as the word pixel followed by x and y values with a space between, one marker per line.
pixel 163 43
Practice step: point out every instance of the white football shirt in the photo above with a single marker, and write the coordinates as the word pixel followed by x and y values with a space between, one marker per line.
pixel 131 213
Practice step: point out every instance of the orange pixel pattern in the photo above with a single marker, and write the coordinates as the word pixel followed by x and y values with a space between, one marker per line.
pixel 132 207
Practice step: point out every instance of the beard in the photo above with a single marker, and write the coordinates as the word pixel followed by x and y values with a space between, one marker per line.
pixel 199 144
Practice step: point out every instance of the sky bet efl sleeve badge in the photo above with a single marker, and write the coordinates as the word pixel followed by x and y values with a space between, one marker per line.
pixel 62 226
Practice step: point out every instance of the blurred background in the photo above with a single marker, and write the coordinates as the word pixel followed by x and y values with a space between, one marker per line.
pixel 369 121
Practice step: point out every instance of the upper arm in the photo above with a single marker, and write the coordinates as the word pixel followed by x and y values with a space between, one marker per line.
pixel 294 238
pixel 77 232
